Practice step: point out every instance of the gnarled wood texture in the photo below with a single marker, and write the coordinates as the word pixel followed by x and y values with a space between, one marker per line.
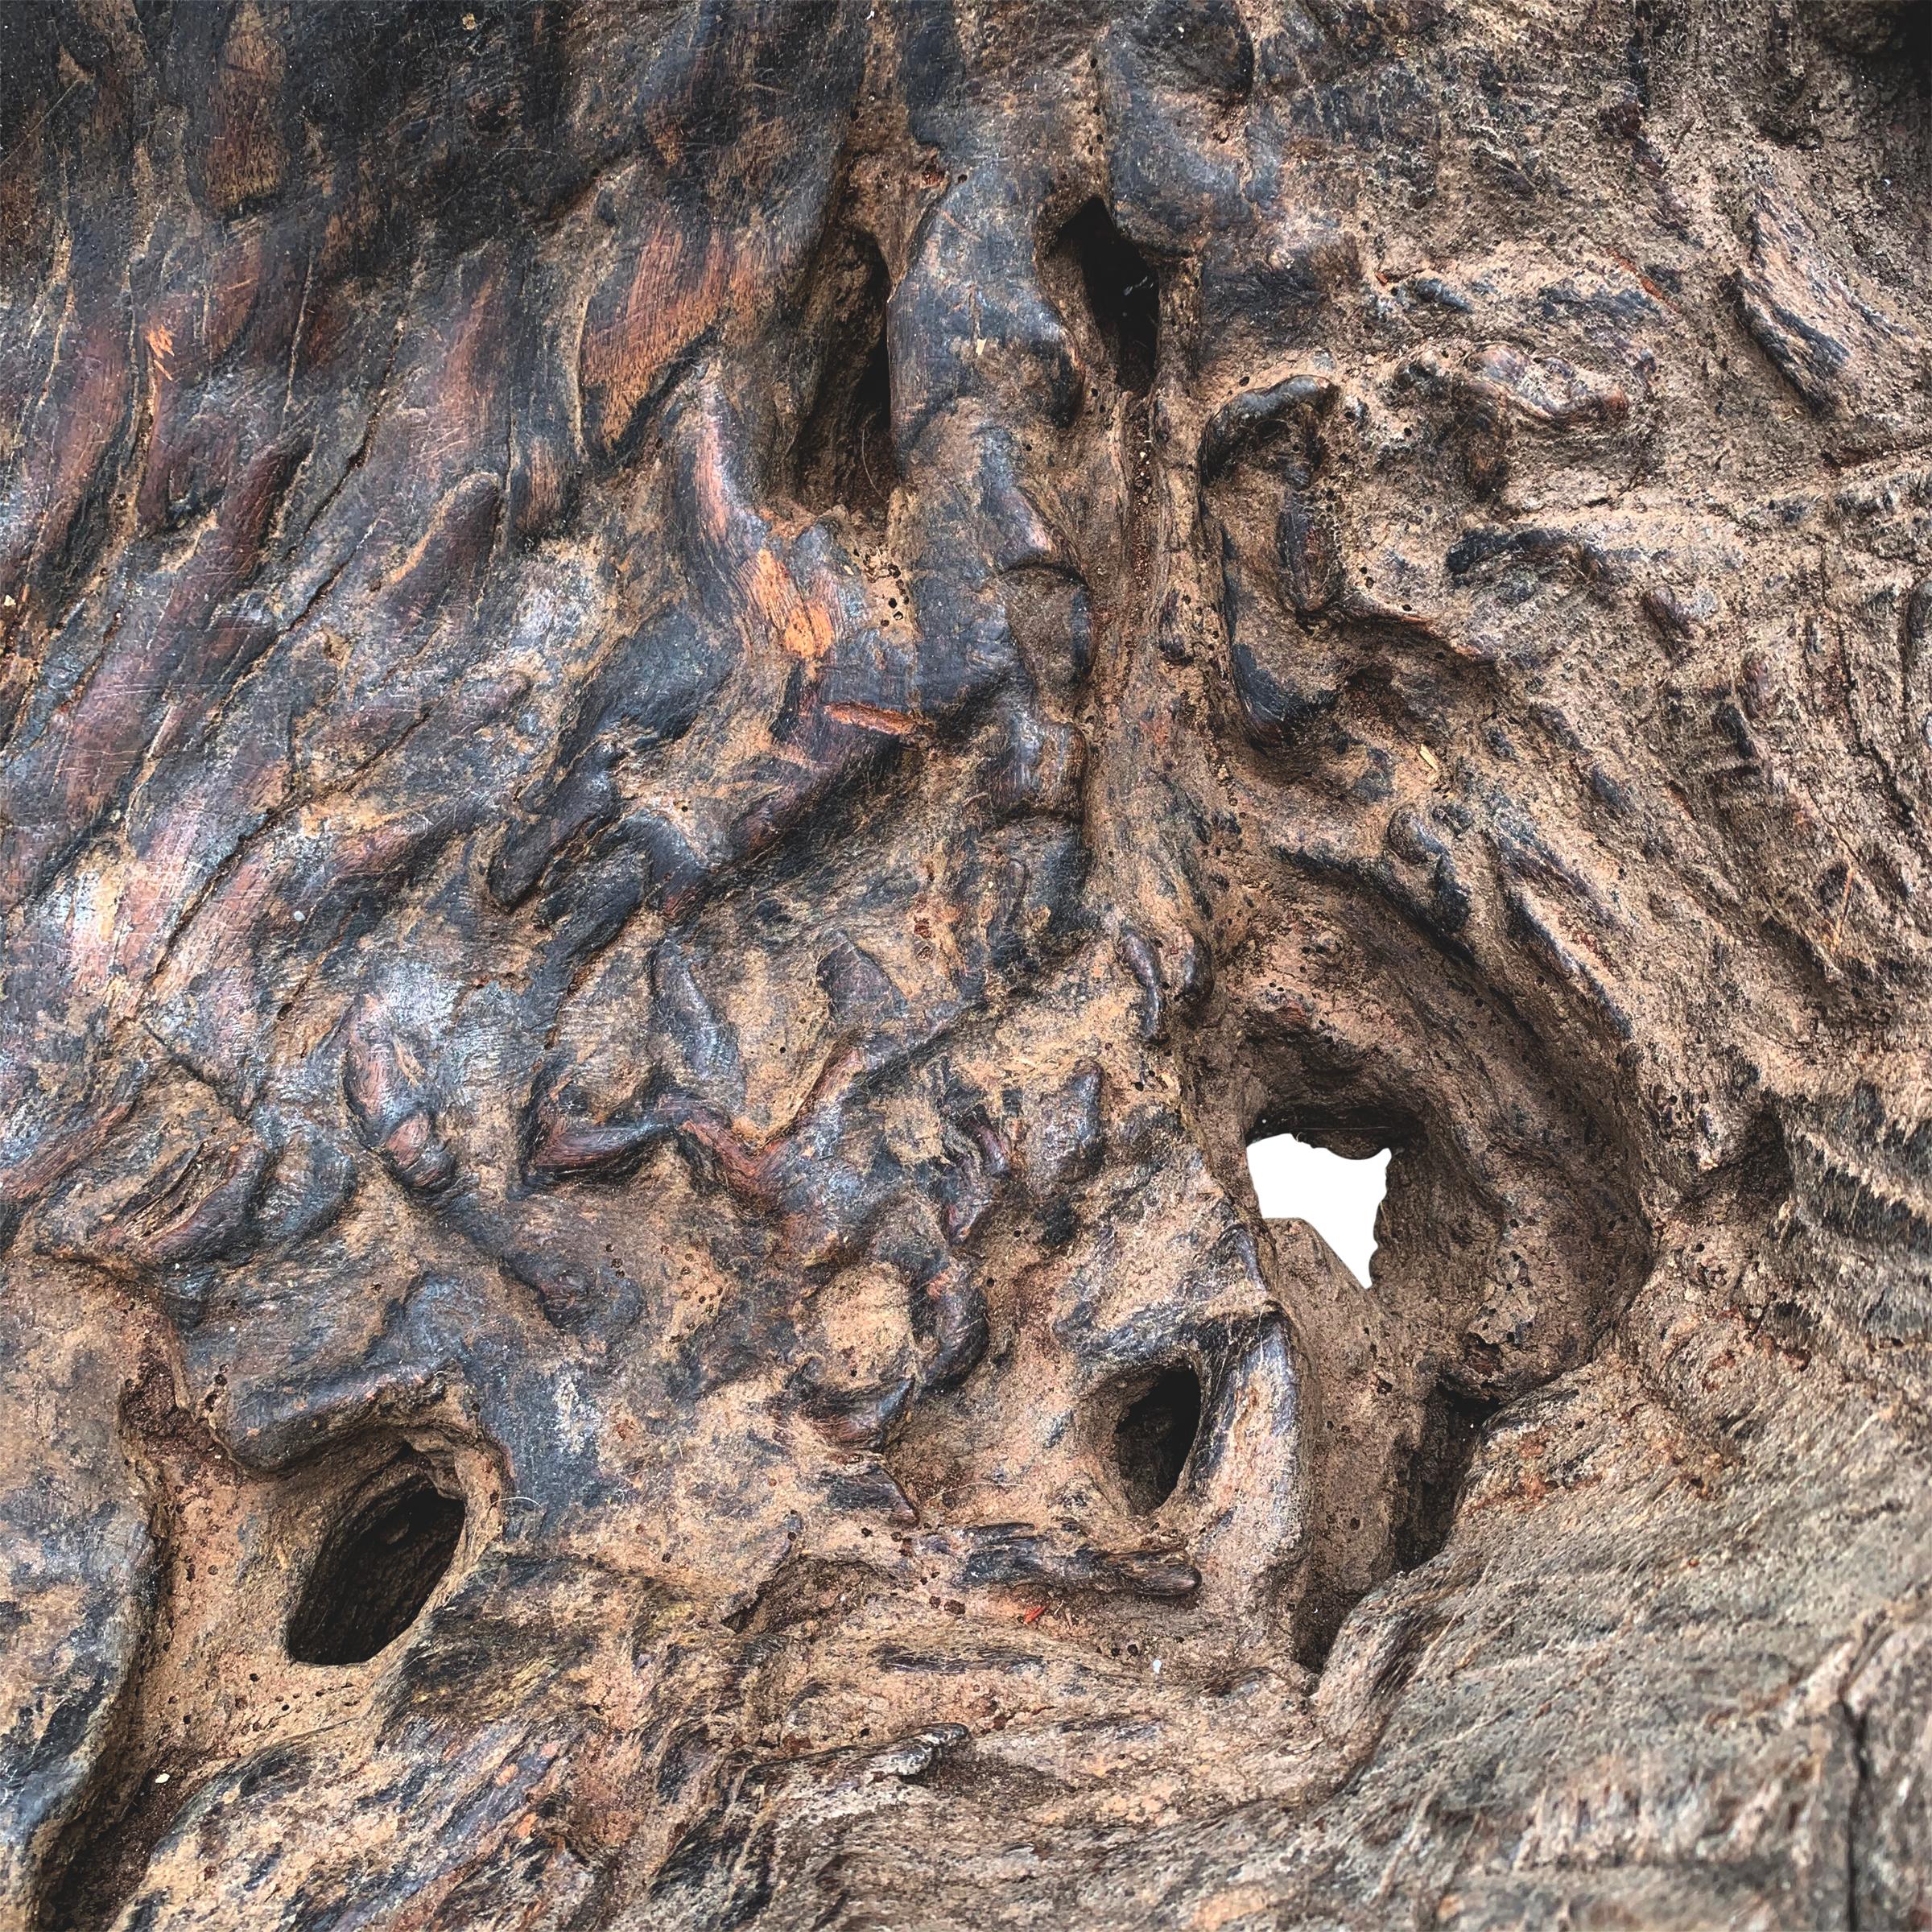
pixel 704 700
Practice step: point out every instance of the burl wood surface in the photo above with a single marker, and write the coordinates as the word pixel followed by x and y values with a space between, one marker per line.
pixel 703 703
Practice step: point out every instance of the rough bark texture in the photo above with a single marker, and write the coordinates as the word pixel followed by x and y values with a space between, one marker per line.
pixel 704 702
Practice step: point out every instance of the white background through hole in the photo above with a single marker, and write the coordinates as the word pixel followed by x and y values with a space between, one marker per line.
pixel 1337 1198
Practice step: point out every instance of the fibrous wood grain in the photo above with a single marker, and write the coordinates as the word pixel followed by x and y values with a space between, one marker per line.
pixel 704 701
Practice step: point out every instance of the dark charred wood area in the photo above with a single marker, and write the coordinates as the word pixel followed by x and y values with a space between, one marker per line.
pixel 704 703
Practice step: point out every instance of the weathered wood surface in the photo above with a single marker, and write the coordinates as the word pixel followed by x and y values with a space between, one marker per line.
pixel 702 703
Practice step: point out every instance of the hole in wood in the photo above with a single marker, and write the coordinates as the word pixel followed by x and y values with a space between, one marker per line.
pixel 1915 45
pixel 1155 1436
pixel 1123 296
pixel 844 458
pixel 377 1568
pixel 1338 1198
pixel 1452 1428
pixel 1893 35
